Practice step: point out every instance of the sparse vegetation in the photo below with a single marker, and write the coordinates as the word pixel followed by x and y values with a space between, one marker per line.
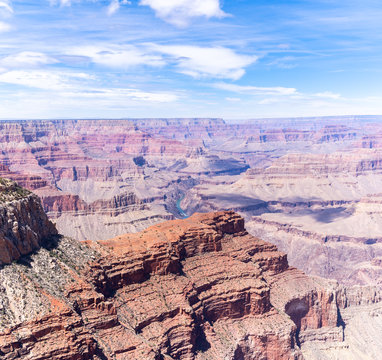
pixel 139 161
pixel 10 191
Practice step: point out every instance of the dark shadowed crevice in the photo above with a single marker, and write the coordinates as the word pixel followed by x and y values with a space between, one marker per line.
pixel 201 342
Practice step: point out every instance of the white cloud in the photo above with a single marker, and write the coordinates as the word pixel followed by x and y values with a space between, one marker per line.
pixel 117 57
pixel 217 62
pixel 112 103
pixel 328 95
pixel 4 27
pixel 176 12
pixel 279 94
pixel 112 8
pixel 180 12
pixel 196 61
pixel 285 62
pixel 233 99
pixel 61 2
pixel 268 101
pixel 120 94
pixel 115 5
pixel 75 85
pixel 47 80
pixel 5 7
pixel 257 90
pixel 26 59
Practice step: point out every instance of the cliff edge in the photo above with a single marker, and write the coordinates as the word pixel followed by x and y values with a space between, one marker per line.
pixel 23 223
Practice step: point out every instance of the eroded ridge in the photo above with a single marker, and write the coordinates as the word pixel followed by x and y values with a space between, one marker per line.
pixel 199 288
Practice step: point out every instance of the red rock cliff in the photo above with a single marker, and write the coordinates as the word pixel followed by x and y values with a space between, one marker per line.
pixel 199 288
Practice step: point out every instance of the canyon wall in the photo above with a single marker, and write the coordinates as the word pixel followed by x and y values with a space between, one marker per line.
pixel 200 288
pixel 309 185
pixel 123 171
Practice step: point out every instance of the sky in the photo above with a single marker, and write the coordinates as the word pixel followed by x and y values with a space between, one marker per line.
pixel 235 59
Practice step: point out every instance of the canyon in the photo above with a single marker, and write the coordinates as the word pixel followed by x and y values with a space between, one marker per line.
pixel 196 288
pixel 311 186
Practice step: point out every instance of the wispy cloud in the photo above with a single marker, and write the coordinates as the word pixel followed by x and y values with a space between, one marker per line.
pixel 288 54
pixel 115 5
pixel 280 95
pixel 122 57
pixel 215 62
pixel 256 90
pixel 26 59
pixel 5 7
pixel 121 94
pixel 284 62
pixel 328 95
pixel 42 79
pixel 71 90
pixel 62 2
pixel 176 12
pixel 180 12
pixel 195 61
pixel 79 84
pixel 6 11
pixel 103 102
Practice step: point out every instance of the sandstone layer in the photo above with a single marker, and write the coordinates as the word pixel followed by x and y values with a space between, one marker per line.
pixel 200 288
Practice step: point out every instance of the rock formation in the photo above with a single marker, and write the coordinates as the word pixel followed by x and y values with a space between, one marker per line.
pixel 80 168
pixel 311 185
pixel 199 288
pixel 23 223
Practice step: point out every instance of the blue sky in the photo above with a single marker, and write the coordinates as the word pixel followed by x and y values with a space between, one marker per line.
pixel 182 58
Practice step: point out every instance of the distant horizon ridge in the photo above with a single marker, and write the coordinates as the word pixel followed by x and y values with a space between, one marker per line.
pixel 198 118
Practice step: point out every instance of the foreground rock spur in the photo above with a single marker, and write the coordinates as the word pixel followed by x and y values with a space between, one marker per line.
pixel 199 288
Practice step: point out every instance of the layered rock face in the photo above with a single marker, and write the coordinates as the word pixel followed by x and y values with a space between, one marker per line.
pixel 313 193
pixel 311 186
pixel 77 162
pixel 23 223
pixel 200 288
pixel 121 175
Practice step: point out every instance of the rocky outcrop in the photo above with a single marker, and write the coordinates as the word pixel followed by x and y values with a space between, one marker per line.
pixel 200 288
pixel 23 224
pixel 56 205
pixel 60 336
